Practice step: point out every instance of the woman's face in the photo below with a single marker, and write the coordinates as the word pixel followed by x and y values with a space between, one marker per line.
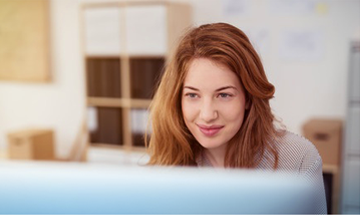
pixel 213 103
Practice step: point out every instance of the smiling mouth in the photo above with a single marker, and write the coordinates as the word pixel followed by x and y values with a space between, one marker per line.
pixel 209 130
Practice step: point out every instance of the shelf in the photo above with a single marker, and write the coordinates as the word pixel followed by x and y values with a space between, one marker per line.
pixel 139 123
pixel 106 145
pixel 118 102
pixel 333 169
pixel 144 74
pixel 107 102
pixel 138 140
pixel 106 125
pixel 118 147
pixel 103 77
pixel 123 55
pixel 332 173
pixel 125 47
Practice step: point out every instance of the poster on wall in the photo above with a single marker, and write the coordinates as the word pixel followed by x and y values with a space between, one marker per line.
pixel 292 7
pixel 236 7
pixel 24 40
pixel 260 38
pixel 296 7
pixel 301 45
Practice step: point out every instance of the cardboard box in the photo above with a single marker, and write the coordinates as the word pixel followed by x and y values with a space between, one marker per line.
pixel 31 144
pixel 326 135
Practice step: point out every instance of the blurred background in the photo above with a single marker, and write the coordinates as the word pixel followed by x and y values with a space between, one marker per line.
pixel 76 76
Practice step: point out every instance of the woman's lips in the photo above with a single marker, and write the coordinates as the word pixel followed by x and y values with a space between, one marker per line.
pixel 210 130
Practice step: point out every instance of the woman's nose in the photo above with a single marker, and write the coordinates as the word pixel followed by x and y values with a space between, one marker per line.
pixel 208 111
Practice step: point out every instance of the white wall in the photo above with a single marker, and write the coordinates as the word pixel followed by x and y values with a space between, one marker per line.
pixel 305 88
pixel 59 104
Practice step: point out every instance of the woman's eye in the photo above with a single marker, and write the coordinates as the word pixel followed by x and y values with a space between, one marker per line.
pixel 224 95
pixel 191 95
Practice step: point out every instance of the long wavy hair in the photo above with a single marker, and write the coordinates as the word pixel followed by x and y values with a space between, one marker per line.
pixel 171 143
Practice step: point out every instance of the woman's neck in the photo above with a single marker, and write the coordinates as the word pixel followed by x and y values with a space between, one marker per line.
pixel 216 156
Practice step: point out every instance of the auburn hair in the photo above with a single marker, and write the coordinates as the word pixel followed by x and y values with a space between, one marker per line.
pixel 171 143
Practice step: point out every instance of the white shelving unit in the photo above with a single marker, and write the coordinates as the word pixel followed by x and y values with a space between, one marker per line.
pixel 125 46
pixel 350 202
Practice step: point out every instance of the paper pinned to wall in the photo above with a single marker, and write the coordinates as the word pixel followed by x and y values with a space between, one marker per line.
pixel 293 7
pixel 260 39
pixel 301 45
pixel 139 120
pixel 235 7
pixel 92 121
pixel 322 8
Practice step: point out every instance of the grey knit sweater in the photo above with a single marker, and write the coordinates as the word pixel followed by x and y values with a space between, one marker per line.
pixel 296 154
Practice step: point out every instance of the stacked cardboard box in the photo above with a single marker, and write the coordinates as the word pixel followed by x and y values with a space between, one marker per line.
pixel 326 135
pixel 31 144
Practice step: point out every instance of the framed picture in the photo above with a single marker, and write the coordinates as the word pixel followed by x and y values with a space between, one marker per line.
pixel 24 40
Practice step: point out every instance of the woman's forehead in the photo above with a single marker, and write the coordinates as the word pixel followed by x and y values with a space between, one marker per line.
pixel 209 73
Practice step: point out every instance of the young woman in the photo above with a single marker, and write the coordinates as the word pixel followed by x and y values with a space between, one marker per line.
pixel 212 109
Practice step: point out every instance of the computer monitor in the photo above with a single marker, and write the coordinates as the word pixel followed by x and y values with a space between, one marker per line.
pixel 75 188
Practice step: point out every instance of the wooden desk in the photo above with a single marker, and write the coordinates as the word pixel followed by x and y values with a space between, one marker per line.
pixel 334 170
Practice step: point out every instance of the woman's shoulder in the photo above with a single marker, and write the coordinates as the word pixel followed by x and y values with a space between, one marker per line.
pixel 290 141
pixel 296 152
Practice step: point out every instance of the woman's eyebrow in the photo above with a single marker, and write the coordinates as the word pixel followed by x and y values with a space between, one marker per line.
pixel 226 87
pixel 217 90
pixel 191 88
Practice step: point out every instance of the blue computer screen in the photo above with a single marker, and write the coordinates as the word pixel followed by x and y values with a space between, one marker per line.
pixel 74 188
